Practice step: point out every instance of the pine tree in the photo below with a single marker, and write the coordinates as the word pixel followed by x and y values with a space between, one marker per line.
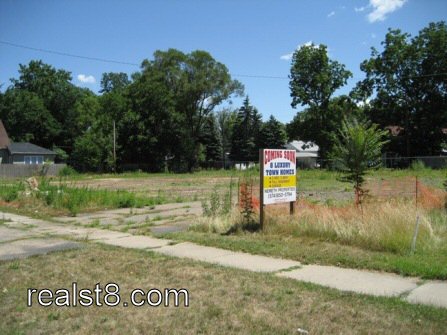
pixel 245 139
pixel 273 134
pixel 211 140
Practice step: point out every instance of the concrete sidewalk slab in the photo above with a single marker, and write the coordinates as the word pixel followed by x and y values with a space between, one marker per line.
pixel 102 234
pixel 432 293
pixel 137 242
pixel 163 229
pixel 25 248
pixel 10 234
pixel 227 258
pixel 193 251
pixel 256 263
pixel 358 281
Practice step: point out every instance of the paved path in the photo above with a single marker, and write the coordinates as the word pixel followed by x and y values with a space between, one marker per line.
pixel 24 236
pixel 139 221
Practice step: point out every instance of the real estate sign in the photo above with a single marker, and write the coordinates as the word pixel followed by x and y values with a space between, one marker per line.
pixel 279 176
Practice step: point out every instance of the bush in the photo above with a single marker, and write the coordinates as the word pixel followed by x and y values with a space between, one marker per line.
pixel 417 165
pixel 218 204
pixel 67 171
pixel 11 193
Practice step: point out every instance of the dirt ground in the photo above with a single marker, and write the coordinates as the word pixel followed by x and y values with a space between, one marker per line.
pixel 190 188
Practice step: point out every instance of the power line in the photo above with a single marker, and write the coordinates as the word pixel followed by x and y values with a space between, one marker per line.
pixel 104 60
pixel 68 54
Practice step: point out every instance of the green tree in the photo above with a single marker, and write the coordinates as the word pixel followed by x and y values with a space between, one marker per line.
pixel 408 86
pixel 357 148
pixel 58 95
pixel 197 84
pixel 211 140
pixel 313 80
pixel 149 130
pixel 226 119
pixel 273 134
pixel 113 82
pixel 27 119
pixel 245 139
pixel 306 123
pixel 92 150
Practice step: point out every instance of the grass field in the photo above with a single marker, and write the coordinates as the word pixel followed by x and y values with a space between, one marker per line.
pixel 379 248
pixel 222 300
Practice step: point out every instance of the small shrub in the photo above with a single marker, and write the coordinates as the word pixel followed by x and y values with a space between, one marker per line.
pixel 417 165
pixel 11 193
pixel 126 201
pixel 217 205
pixel 246 201
pixel 67 171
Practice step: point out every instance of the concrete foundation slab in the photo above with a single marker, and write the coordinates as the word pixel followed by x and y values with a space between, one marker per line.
pixel 366 282
pixel 9 234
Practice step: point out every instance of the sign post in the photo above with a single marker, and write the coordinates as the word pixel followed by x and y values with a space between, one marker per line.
pixel 261 188
pixel 277 178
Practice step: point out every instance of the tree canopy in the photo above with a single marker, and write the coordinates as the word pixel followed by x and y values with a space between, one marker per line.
pixel 407 85
pixel 314 78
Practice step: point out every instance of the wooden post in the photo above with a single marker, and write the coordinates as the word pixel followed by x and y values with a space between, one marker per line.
pixel 416 191
pixel 292 207
pixel 114 147
pixel 261 188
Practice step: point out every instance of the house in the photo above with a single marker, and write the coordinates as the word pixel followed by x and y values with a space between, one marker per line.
pixel 22 152
pixel 4 142
pixel 306 153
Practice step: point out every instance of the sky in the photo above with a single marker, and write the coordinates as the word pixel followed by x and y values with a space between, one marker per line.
pixel 254 39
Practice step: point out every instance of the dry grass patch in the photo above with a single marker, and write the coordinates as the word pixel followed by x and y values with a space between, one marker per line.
pixel 222 301
pixel 387 226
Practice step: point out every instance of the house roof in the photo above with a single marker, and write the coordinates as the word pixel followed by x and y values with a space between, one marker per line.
pixel 306 155
pixel 301 146
pixel 395 130
pixel 4 139
pixel 28 148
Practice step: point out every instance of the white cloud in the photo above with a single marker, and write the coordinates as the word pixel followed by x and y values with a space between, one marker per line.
pixel 288 56
pixel 381 8
pixel 331 14
pixel 360 9
pixel 86 79
pixel 363 103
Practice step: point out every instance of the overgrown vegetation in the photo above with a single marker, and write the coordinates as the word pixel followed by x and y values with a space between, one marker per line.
pixel 337 233
pixel 62 198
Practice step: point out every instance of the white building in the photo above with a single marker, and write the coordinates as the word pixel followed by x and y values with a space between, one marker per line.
pixel 306 153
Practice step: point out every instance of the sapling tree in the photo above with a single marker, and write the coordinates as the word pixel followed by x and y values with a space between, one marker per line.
pixel 357 148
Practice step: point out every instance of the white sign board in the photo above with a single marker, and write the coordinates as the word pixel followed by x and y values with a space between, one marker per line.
pixel 279 177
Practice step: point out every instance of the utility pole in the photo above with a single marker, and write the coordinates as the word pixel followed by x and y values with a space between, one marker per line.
pixel 114 147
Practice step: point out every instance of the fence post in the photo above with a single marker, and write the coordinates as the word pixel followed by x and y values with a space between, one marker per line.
pixel 416 228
